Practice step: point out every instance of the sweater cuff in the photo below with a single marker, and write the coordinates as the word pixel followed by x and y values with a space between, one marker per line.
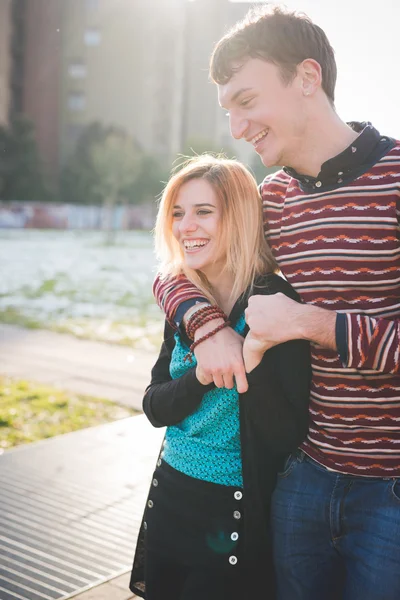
pixel 341 338
pixel 184 307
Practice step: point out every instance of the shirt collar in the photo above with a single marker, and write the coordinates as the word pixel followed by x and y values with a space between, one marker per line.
pixel 335 170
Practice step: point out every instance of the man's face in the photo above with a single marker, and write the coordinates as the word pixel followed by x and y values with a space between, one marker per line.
pixel 265 111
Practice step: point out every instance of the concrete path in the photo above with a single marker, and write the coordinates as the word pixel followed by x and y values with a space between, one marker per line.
pixel 102 370
pixel 118 373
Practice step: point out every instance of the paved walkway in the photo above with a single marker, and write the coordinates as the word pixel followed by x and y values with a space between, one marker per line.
pixel 102 370
pixel 116 589
pixel 118 373
pixel 71 509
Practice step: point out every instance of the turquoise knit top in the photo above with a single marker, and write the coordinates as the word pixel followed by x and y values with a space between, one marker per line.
pixel 206 445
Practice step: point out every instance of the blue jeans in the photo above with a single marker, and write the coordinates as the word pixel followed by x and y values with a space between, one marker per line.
pixel 336 537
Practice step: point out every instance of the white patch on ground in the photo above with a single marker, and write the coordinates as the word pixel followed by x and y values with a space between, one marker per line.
pixel 73 281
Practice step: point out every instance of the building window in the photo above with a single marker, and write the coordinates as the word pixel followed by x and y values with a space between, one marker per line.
pixel 77 70
pixel 76 101
pixel 92 37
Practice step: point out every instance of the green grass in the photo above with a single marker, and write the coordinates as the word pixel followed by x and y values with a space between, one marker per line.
pixel 12 316
pixel 30 412
pixel 138 332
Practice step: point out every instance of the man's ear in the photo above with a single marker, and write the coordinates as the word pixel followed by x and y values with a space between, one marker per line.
pixel 310 74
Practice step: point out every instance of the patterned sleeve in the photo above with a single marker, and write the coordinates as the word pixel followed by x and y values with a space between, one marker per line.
pixel 371 343
pixel 171 293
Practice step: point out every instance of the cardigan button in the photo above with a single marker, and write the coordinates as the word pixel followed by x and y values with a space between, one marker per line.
pixel 318 184
pixel 155 482
pixel 159 462
pixel 150 504
pixel 233 560
pixel 238 495
pixel 236 514
pixel 234 536
pixel 144 525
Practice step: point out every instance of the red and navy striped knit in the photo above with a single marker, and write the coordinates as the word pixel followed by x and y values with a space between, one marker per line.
pixel 340 250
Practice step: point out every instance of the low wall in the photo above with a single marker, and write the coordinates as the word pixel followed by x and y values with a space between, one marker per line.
pixel 41 215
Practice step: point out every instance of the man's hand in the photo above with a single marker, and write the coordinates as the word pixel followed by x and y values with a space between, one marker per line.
pixel 273 320
pixel 276 319
pixel 219 358
pixel 253 351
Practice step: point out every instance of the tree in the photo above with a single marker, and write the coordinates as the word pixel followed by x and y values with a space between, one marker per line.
pixel 78 179
pixel 150 181
pixel 21 170
pixel 116 163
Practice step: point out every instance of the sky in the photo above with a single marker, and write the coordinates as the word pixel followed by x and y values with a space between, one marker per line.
pixel 365 35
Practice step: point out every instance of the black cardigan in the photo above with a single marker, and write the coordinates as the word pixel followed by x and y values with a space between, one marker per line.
pixel 273 422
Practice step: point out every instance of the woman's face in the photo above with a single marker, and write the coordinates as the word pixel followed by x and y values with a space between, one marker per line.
pixel 196 225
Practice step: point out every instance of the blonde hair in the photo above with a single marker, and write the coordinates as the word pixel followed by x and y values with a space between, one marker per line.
pixel 247 253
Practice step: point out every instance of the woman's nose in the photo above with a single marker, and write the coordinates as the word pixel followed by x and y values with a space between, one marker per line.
pixel 188 223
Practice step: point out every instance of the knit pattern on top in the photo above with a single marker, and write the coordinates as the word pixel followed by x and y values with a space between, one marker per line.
pixel 206 445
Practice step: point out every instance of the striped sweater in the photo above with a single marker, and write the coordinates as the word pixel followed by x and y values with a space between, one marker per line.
pixel 340 250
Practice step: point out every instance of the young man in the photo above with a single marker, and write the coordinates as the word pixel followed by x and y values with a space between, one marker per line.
pixel 331 218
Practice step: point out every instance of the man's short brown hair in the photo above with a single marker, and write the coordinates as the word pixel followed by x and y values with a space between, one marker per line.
pixel 282 37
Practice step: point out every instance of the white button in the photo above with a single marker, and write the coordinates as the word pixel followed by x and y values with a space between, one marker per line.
pixel 155 482
pixel 238 495
pixel 353 149
pixel 144 525
pixel 234 536
pixel 233 560
pixel 236 514
pixel 318 184
pixel 340 180
pixel 150 504
pixel 340 173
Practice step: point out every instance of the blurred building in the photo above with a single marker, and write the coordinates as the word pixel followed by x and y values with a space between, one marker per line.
pixel 38 72
pixel 141 65
pixel 207 22
pixel 5 60
pixel 122 65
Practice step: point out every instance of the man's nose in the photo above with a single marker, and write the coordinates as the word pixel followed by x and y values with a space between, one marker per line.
pixel 238 126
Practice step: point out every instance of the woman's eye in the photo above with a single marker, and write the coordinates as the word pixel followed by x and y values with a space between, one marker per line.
pixel 204 212
pixel 176 215
pixel 246 102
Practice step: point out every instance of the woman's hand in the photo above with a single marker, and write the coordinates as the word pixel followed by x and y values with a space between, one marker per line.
pixel 202 377
pixel 220 358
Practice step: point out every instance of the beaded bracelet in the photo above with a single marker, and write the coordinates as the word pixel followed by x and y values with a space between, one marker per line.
pixel 201 316
pixel 202 321
pixel 204 310
pixel 205 337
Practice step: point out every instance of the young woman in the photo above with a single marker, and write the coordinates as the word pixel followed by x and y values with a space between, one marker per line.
pixel 205 532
